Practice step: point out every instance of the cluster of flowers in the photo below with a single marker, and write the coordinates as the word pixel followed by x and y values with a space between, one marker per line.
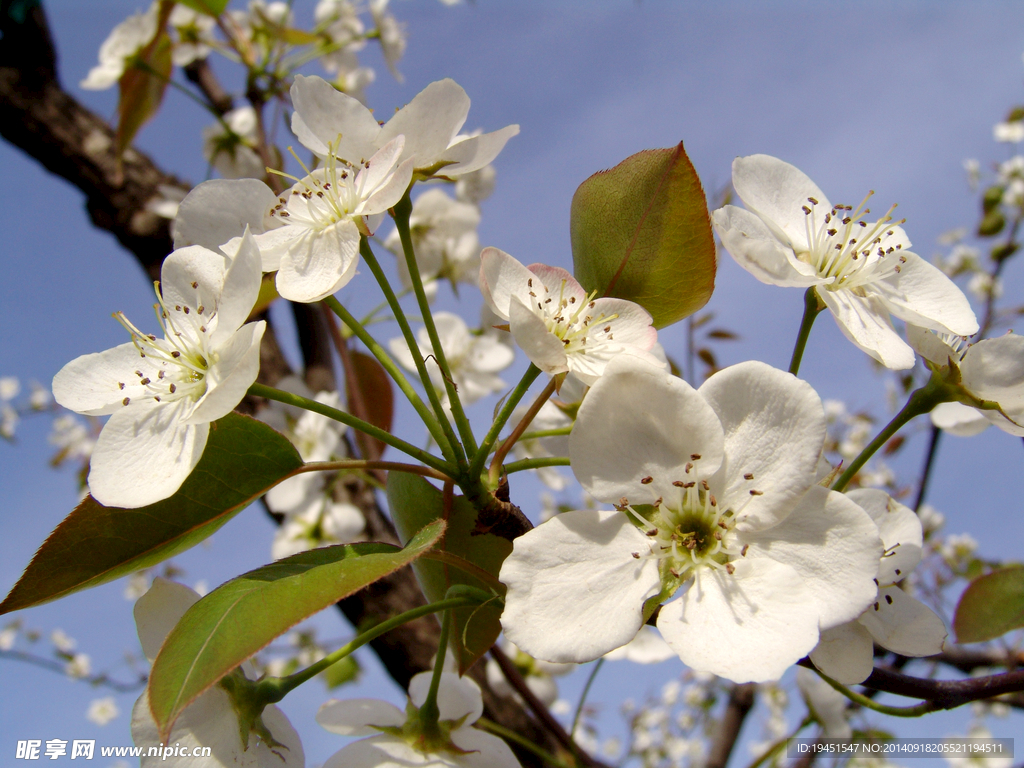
pixel 721 532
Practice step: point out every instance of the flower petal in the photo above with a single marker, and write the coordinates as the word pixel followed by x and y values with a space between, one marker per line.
pixel 827 704
pixel 640 422
pixel 218 210
pixel 356 717
pixel 646 648
pixel 833 545
pixel 457 697
pixel 865 322
pixel 429 122
pixel 324 116
pixel 757 249
pixel 993 369
pixel 319 263
pixel 904 624
pixel 159 610
pixel 232 375
pixel 929 346
pixel 97 384
pixel 961 420
pixel 900 529
pixel 544 349
pixel 777 192
pixel 923 295
pixel 387 751
pixel 750 626
pixel 475 152
pixel 143 455
pixel 501 277
pixel 241 289
pixel 575 591
pixel 845 653
pixel 774 428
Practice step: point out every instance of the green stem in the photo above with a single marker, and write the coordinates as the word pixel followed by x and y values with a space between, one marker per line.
pixel 450 442
pixel 389 365
pixel 813 305
pixel 583 697
pixel 402 213
pixel 557 432
pixel 356 465
pixel 261 390
pixel 529 746
pixel 858 698
pixel 921 401
pixel 536 463
pixel 522 426
pixel 503 416
pixel 429 712
pixel 278 687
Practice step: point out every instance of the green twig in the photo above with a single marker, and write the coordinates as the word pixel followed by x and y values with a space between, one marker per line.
pixel 499 421
pixel 915 711
pixel 780 744
pixel 583 696
pixel 260 390
pixel 529 746
pixel 813 305
pixel 429 712
pixel 536 463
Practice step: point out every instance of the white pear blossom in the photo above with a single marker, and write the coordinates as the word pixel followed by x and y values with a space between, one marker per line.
pixel 716 494
pixel 9 388
pixel 345 34
pixel 210 720
pixel 445 241
pixel 791 235
pixel 895 620
pixel 319 521
pixel 474 360
pixel 1010 132
pixel 315 247
pixel 195 34
pixel 124 41
pixel 162 394
pixel 329 122
pixel 229 145
pixel 992 370
pixel 646 648
pixel 460 705
pixel 102 711
pixel 476 186
pixel 392 36
pixel 559 326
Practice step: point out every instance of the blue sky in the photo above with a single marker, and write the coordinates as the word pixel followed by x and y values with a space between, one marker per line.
pixel 870 95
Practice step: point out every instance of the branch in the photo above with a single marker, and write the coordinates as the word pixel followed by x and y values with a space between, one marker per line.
pixel 741 700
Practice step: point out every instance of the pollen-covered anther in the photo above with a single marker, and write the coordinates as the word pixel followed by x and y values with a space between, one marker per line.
pixel 646 480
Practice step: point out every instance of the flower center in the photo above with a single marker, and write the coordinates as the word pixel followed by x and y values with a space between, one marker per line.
pixel 848 249
pixel 569 318
pixel 177 364
pixel 690 531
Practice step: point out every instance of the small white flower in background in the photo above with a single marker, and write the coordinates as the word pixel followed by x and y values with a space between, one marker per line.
pixel 211 720
pixel 826 703
pixel 165 203
pixel 124 41
pixel 392 36
pixel 765 556
pixel 931 519
pixel 102 711
pixel 40 397
pixel 9 419
pixel 973 170
pixel 984 286
pixel 1010 133
pixel 328 122
pixel 62 642
pixel 992 370
pixel 79 666
pixel 460 705
pixel 895 620
pixel 477 186
pixel 229 145
pixel 162 394
pixel 539 675
pixel 195 35
pixel 550 416
pixel 957 549
pixel 646 648
pixel 559 326
pixel 982 759
pixel 791 235
pixel 9 387
pixel 73 440
pixel 444 239
pixel 319 522
pixel 474 360
pixel 137 585
pixel 8 635
pixel 315 246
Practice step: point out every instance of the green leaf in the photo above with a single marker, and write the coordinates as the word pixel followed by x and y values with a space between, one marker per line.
pixel 143 83
pixel 97 544
pixel 991 606
pixel 415 503
pixel 641 231
pixel 242 616
pixel 209 7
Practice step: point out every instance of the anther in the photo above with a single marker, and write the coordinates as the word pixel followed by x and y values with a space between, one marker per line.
pixel 748 476
pixel 676 483
pixel 876 606
pixel 888 599
pixel 144 381
pixel 172 388
pixel 120 385
pixel 743 552
pixel 730 568
pixel 175 354
pixel 646 480
pixel 195 284
pixel 704 485
pixel 756 493
pixel 126 401
pixel 695 456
